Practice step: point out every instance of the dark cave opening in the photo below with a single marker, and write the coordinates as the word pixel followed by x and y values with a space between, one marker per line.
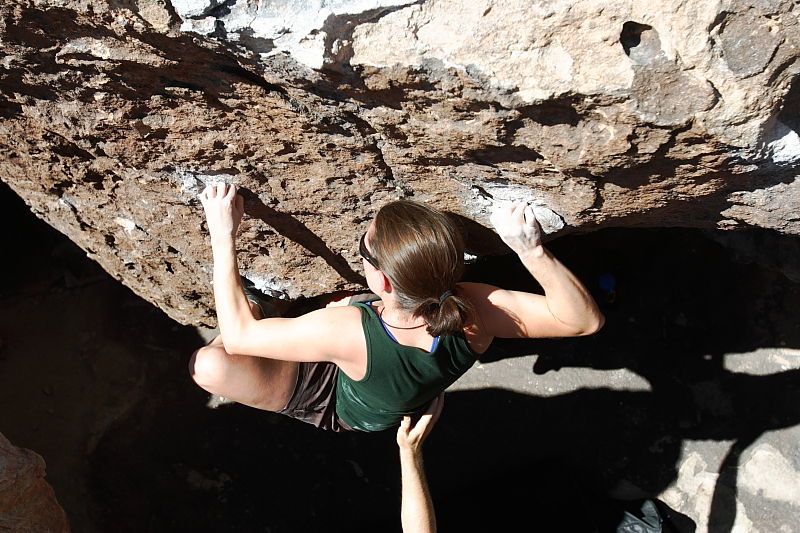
pixel 790 110
pixel 131 445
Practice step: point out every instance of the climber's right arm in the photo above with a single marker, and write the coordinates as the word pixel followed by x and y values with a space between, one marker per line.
pixel 565 310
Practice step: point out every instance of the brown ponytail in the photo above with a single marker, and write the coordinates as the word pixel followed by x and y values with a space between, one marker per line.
pixel 422 253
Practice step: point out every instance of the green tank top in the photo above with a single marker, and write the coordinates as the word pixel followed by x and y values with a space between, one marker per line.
pixel 400 379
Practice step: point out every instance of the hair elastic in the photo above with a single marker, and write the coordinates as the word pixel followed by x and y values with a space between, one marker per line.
pixel 445 295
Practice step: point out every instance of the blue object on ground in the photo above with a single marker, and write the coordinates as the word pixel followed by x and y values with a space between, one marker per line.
pixel 607 282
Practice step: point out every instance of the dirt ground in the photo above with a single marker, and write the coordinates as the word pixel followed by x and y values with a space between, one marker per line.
pixel 694 374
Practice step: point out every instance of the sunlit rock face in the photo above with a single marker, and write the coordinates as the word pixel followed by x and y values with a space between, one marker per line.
pixel 27 502
pixel 629 113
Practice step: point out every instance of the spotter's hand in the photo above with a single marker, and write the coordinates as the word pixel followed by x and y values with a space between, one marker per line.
pixel 517 226
pixel 410 438
pixel 223 208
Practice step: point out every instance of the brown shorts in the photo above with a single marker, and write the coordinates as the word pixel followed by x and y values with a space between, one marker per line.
pixel 314 398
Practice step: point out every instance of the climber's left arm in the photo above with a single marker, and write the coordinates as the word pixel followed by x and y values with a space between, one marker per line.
pixel 224 210
pixel 317 336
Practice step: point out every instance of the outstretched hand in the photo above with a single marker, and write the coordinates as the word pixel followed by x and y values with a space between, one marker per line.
pixel 410 438
pixel 517 226
pixel 223 208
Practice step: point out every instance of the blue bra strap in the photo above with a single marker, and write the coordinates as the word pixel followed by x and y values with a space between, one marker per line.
pixel 383 325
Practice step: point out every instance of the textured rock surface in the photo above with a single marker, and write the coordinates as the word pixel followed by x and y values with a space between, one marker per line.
pixel 114 115
pixel 27 502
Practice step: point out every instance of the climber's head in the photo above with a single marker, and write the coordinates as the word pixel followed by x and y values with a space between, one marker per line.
pixel 421 254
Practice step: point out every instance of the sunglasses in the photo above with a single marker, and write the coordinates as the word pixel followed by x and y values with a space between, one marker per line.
pixel 363 252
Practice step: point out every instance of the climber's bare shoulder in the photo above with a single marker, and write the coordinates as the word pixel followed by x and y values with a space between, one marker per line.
pixel 331 334
pixel 509 314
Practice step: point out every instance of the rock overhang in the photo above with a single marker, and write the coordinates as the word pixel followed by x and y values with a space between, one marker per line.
pixel 623 114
